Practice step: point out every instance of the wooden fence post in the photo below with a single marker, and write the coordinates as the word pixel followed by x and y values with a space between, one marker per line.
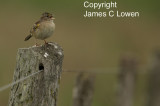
pixel 83 90
pixel 154 82
pixel 126 81
pixel 41 89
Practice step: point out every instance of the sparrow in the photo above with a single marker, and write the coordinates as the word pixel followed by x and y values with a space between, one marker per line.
pixel 43 28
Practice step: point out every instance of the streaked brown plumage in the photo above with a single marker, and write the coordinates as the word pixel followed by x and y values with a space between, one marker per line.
pixel 43 28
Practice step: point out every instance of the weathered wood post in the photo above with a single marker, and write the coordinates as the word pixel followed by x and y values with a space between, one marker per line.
pixel 126 81
pixel 41 89
pixel 154 82
pixel 83 90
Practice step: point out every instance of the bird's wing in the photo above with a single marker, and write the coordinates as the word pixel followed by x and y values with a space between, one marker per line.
pixel 35 27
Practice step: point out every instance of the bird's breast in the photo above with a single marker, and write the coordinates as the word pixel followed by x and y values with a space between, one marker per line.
pixel 45 30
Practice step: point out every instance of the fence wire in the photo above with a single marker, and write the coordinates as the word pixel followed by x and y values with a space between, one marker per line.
pixel 96 70
pixel 18 81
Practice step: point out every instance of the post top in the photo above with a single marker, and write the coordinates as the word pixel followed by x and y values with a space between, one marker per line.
pixel 50 49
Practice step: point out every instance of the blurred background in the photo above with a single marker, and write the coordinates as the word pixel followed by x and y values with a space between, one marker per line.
pixel 88 43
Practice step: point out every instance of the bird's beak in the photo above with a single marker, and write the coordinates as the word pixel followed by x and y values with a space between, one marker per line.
pixel 53 18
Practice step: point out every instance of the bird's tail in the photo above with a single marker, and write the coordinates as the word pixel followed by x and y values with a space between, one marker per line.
pixel 28 37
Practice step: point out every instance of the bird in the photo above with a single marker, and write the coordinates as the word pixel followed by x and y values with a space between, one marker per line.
pixel 43 28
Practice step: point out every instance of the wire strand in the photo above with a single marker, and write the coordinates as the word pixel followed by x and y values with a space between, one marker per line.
pixel 96 70
pixel 101 70
pixel 18 81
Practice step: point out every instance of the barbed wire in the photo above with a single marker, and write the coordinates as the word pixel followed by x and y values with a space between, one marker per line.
pixel 140 70
pixel 96 70
pixel 18 81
